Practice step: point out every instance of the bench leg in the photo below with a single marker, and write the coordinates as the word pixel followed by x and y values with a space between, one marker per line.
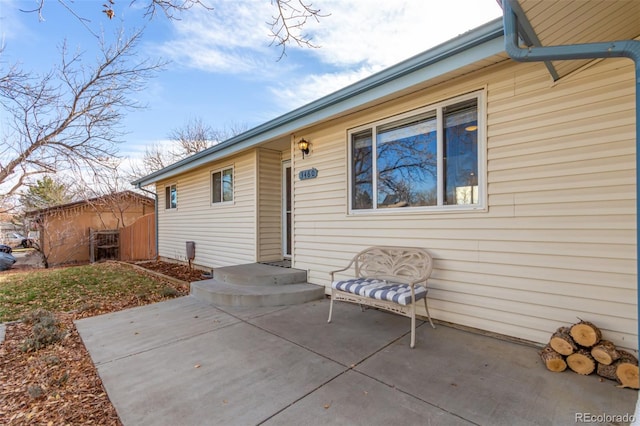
pixel 413 325
pixel 428 315
pixel 330 307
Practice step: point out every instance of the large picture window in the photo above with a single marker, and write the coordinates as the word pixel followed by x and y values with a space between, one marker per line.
pixel 426 159
pixel 171 197
pixel 222 186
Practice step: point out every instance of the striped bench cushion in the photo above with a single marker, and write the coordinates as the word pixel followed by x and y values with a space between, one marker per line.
pixel 380 289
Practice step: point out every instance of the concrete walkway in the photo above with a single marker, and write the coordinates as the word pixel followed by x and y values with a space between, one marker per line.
pixel 185 362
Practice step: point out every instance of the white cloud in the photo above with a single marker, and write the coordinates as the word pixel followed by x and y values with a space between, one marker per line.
pixel 301 91
pixel 382 32
pixel 233 38
pixel 11 23
pixel 360 38
pixel 357 39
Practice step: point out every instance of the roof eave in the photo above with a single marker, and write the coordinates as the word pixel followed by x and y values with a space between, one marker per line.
pixel 486 40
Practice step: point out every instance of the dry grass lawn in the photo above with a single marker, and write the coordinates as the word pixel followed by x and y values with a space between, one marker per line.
pixel 58 384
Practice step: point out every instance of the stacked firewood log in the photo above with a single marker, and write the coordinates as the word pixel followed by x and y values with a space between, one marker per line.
pixel 582 349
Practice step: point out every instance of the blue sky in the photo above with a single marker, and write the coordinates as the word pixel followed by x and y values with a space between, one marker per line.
pixel 222 68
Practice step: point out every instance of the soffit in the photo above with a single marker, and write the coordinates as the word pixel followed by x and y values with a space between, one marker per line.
pixel 567 22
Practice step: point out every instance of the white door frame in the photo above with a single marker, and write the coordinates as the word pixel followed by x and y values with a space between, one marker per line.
pixel 287 214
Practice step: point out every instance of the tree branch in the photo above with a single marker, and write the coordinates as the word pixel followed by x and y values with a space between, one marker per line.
pixel 68 119
pixel 292 17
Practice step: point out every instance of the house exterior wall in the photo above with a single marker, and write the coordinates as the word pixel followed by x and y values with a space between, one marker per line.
pixel 556 241
pixel 225 234
pixel 65 233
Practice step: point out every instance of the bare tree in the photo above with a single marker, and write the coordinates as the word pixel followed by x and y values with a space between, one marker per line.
pixel 291 18
pixel 193 137
pixel 171 8
pixel 286 24
pixel 108 194
pixel 68 119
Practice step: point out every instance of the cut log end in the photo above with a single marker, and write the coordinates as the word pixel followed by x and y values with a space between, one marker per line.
pixel 627 370
pixel 586 334
pixel 581 362
pixel 627 375
pixel 605 352
pixel 553 360
pixel 562 342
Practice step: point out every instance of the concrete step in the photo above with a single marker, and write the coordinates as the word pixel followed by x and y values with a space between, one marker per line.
pixel 256 285
pixel 257 274
pixel 228 294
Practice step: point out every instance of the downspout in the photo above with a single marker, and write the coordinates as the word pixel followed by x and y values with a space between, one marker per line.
pixel 615 49
pixel 155 196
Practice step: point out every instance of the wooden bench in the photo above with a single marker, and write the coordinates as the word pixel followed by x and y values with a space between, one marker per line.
pixel 388 278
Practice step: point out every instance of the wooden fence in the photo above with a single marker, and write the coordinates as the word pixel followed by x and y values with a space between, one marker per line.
pixel 138 240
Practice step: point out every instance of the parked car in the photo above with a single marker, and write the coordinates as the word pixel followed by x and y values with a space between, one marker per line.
pixel 18 240
pixel 6 261
pixel 5 248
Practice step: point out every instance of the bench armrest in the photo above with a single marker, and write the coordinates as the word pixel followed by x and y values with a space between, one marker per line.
pixel 340 270
pixel 343 269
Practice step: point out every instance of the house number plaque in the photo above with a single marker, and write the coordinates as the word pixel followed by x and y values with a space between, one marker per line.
pixel 308 174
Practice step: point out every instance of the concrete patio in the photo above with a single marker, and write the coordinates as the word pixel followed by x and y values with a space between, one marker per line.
pixel 188 362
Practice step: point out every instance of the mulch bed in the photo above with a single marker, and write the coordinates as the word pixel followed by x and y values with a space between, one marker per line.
pixel 175 270
pixel 59 384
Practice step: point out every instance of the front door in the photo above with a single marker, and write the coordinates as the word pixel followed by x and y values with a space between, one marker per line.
pixel 286 209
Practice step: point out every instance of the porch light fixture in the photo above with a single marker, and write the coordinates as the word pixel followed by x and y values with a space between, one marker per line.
pixel 303 145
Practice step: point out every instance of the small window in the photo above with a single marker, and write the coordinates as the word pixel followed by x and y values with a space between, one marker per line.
pixel 222 186
pixel 427 159
pixel 171 197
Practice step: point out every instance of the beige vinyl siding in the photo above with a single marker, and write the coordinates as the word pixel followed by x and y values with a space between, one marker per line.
pixel 225 234
pixel 557 240
pixel 591 21
pixel 269 205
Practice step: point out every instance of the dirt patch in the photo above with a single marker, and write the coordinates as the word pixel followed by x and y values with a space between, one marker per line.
pixel 59 384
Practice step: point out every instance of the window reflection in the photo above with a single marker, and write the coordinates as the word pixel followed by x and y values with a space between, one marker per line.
pixel 362 170
pixel 461 153
pixel 171 197
pixel 217 184
pixel 227 185
pixel 407 163
pixel 396 165
pixel 222 186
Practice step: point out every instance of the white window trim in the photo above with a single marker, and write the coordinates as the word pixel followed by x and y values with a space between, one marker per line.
pixel 167 199
pixel 480 95
pixel 233 190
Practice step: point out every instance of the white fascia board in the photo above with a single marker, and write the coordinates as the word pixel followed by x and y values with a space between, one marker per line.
pixel 464 50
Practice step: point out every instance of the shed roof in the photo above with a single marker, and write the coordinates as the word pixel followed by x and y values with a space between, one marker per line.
pixel 93 201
